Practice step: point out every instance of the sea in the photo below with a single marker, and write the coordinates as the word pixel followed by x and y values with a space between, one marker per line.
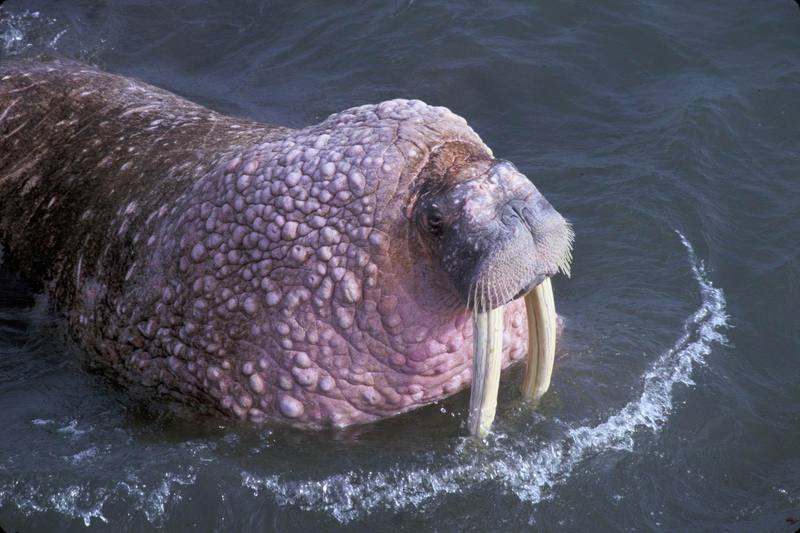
pixel 666 132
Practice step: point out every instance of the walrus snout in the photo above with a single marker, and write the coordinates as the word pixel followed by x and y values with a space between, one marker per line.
pixel 498 236
pixel 513 241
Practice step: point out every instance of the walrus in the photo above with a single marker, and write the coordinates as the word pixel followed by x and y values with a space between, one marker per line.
pixel 325 276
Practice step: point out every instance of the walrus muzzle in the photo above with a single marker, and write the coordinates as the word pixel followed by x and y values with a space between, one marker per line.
pixel 504 243
pixel 539 227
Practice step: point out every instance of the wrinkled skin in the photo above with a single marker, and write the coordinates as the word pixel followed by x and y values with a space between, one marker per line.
pixel 319 276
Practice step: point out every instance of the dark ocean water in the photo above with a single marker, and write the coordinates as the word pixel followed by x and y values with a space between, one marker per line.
pixel 667 132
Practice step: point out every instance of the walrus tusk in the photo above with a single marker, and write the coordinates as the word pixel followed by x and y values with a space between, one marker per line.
pixel 541 312
pixel 488 352
pixel 487 358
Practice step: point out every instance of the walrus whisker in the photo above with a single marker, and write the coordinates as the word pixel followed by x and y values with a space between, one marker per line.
pixel 484 295
pixel 565 262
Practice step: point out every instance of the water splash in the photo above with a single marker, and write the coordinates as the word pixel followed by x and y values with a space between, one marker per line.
pixel 528 474
pixel 152 491
pixel 28 31
pixel 72 501
pixel 511 464
pixel 154 499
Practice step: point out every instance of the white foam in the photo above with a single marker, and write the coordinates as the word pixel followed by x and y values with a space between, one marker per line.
pixel 527 472
pixel 72 501
pixel 84 455
pixel 22 31
pixel 87 503
pixel 73 430
pixel 153 501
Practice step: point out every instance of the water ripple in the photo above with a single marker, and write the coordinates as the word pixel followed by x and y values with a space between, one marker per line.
pixel 512 464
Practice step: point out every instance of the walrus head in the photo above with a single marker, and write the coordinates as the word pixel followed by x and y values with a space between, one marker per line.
pixel 327 275
pixel 490 229
pixel 497 238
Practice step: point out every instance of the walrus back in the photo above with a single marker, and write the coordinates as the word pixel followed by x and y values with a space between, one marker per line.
pixel 79 146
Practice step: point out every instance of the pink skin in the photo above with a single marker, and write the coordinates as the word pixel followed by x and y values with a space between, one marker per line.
pixel 331 318
pixel 277 274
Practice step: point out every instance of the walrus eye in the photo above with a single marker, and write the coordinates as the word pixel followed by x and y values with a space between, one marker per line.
pixel 434 222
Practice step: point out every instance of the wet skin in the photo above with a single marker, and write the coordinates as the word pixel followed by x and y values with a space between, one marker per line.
pixel 317 276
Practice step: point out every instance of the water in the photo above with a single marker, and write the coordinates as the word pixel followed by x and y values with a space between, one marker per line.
pixel 667 132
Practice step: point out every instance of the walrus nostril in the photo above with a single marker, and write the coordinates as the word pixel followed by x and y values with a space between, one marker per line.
pixel 521 211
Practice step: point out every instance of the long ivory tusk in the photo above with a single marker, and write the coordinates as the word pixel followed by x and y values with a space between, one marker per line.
pixel 541 312
pixel 487 358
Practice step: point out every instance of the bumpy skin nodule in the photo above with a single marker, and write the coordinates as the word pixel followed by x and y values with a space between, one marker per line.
pixel 266 272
